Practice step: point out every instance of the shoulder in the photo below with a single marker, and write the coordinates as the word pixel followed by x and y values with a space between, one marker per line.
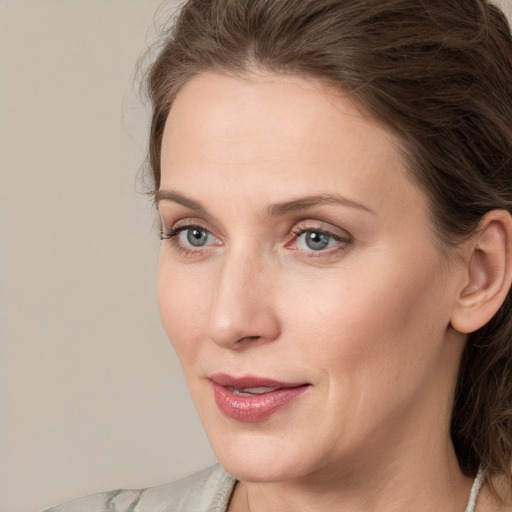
pixel 206 491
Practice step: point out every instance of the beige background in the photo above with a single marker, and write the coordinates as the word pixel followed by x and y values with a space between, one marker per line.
pixel 91 394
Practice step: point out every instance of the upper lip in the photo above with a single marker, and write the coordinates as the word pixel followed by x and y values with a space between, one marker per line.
pixel 250 381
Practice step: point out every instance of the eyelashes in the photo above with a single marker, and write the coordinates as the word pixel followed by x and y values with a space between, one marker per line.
pixel 309 240
pixel 196 235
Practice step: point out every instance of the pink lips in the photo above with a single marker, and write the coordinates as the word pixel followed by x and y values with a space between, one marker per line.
pixel 253 399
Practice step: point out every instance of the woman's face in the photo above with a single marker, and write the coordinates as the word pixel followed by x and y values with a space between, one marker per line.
pixel 300 280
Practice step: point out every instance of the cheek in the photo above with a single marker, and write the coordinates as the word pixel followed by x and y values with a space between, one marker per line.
pixel 372 319
pixel 372 340
pixel 183 305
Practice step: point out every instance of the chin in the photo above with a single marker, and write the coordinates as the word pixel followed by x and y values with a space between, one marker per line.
pixel 259 471
pixel 260 458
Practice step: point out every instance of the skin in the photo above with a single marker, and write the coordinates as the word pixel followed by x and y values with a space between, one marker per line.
pixel 366 322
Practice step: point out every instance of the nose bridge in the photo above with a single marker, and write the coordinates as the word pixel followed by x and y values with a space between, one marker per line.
pixel 242 305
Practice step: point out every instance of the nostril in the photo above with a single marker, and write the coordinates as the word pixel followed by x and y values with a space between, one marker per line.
pixel 249 338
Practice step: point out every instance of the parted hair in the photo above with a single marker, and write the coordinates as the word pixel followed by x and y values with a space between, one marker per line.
pixel 438 73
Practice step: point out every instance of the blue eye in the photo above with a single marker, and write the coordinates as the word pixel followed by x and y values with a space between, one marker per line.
pixel 316 240
pixel 188 236
pixel 195 236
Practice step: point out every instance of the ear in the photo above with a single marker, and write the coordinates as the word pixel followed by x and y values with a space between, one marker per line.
pixel 488 273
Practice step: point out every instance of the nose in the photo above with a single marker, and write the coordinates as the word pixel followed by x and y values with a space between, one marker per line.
pixel 242 311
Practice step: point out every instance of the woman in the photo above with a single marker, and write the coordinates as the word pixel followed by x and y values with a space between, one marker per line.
pixel 333 179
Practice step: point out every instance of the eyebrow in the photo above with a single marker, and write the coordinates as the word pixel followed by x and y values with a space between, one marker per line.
pixel 274 210
pixel 176 197
pixel 304 203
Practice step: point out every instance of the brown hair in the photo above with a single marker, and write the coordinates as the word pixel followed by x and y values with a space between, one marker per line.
pixel 438 73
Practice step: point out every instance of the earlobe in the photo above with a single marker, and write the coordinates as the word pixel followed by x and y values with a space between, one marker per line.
pixel 488 273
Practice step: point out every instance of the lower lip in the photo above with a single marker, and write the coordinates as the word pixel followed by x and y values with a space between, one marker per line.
pixel 256 407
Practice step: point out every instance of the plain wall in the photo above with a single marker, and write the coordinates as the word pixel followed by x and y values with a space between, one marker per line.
pixel 91 394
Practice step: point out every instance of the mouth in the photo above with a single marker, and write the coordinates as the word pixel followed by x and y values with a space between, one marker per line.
pixel 252 399
pixel 251 391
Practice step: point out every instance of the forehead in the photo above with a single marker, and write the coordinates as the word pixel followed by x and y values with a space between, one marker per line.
pixel 267 135
pixel 222 110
